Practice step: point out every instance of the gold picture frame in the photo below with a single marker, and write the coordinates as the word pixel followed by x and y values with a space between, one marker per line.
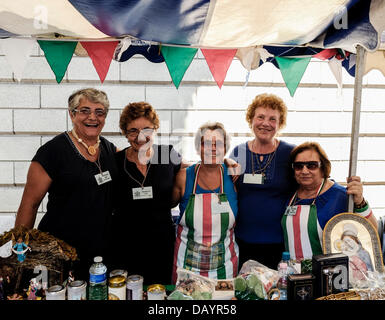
pixel 355 236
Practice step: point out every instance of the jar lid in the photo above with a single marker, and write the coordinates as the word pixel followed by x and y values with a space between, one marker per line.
pixel 156 288
pixel 117 280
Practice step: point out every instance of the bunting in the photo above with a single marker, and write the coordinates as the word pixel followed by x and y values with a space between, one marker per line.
pixel 101 54
pixel 58 55
pixel 219 62
pixel 178 59
pixel 17 52
pixel 292 70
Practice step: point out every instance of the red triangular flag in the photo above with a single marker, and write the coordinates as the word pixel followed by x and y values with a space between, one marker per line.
pixel 325 54
pixel 219 61
pixel 101 53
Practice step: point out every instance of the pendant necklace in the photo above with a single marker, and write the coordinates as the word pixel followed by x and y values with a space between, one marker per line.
pixel 90 149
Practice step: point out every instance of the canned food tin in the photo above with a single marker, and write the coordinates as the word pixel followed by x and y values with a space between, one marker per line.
pixel 135 287
pixel 118 272
pixel 57 292
pixel 117 288
pixel 77 290
pixel 156 292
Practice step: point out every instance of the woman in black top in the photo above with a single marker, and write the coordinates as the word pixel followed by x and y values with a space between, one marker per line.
pixel 143 227
pixel 76 168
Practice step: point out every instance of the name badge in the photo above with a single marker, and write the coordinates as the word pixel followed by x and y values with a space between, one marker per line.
pixel 218 207
pixel 103 177
pixel 291 211
pixel 256 178
pixel 142 193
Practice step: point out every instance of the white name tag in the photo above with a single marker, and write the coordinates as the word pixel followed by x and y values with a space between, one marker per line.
pixel 142 193
pixel 103 177
pixel 218 207
pixel 255 178
pixel 291 210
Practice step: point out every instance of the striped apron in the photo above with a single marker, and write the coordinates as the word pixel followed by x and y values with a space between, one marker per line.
pixel 205 242
pixel 301 229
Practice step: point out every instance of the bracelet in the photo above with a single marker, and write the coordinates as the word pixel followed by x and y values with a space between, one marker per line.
pixel 361 205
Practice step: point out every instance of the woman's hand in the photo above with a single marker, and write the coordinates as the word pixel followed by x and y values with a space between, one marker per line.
pixel 355 188
pixel 234 168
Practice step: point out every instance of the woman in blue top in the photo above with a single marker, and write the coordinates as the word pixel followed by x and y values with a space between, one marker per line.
pixel 205 241
pixel 316 201
pixel 265 183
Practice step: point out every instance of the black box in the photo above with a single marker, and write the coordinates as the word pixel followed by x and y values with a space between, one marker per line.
pixel 300 287
pixel 331 273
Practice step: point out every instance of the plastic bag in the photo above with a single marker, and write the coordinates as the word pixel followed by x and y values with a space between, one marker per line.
pixel 255 280
pixel 191 286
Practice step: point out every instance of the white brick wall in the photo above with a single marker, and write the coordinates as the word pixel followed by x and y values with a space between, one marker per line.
pixel 35 110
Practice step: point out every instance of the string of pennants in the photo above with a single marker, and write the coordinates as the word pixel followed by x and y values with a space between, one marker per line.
pixel 291 61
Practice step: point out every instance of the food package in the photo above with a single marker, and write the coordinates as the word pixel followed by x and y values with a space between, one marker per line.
pixel 255 280
pixel 191 286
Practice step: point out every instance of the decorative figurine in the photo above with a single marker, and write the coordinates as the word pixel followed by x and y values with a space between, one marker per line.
pixel 20 248
pixel 34 286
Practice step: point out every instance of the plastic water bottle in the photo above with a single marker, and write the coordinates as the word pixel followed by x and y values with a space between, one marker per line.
pixel 289 263
pixel 282 282
pixel 98 289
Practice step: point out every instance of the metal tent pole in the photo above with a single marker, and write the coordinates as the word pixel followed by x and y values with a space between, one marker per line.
pixel 360 64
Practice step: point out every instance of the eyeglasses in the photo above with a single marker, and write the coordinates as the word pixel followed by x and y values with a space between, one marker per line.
pixel 101 113
pixel 209 143
pixel 134 132
pixel 311 165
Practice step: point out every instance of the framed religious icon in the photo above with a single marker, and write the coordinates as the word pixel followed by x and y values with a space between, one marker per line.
pixel 356 237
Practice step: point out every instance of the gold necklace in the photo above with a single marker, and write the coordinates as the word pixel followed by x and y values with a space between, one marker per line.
pixel 90 149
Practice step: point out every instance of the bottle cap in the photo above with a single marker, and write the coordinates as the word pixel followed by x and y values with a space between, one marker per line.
pixel 98 259
pixel 286 255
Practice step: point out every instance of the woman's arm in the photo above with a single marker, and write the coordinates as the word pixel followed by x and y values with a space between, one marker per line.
pixel 355 188
pixel 38 183
pixel 179 187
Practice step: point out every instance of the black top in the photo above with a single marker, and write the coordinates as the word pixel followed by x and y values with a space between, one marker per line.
pixel 78 210
pixel 143 229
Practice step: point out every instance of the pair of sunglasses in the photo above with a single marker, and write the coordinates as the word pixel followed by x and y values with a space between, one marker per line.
pixel 311 165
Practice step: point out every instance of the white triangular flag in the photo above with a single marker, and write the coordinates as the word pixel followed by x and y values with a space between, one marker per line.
pixel 249 57
pixel 17 52
pixel 6 249
pixel 335 66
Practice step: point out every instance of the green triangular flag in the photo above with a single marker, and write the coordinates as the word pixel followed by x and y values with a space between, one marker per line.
pixel 177 60
pixel 58 55
pixel 292 70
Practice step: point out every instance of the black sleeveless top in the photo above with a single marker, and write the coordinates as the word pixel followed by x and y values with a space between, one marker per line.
pixel 78 210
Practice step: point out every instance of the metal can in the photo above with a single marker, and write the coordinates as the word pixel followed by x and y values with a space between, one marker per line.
pixel 77 290
pixel 135 287
pixel 118 272
pixel 156 292
pixel 57 292
pixel 117 288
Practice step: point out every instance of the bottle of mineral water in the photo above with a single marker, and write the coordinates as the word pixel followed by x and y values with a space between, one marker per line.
pixel 98 289
pixel 282 282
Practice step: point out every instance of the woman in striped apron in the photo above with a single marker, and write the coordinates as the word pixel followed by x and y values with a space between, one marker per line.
pixel 316 201
pixel 205 241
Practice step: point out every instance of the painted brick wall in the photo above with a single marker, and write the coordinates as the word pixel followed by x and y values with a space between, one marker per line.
pixel 35 110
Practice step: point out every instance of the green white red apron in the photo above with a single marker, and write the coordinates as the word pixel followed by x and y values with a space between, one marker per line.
pixel 205 242
pixel 301 229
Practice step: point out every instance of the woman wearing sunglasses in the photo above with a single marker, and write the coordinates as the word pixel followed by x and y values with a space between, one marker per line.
pixel 76 169
pixel 316 201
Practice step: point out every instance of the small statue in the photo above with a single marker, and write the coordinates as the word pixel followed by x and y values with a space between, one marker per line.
pixel 2 294
pixel 34 286
pixel 20 247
